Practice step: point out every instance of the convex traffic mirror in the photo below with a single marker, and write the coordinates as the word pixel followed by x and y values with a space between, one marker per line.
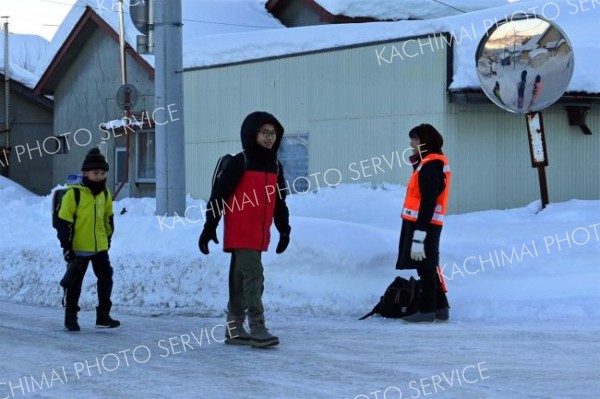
pixel 524 65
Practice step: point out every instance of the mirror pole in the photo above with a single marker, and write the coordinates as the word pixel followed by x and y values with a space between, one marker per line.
pixel 543 185
pixel 538 152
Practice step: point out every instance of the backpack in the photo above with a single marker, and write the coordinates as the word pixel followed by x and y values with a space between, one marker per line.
pixel 220 167
pixel 57 198
pixel 401 298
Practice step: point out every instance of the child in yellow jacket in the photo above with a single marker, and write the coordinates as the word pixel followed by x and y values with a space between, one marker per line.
pixel 85 229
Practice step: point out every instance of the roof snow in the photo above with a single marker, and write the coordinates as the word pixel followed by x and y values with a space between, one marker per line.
pixel 200 18
pixel 223 31
pixel 406 9
pixel 576 19
pixel 25 52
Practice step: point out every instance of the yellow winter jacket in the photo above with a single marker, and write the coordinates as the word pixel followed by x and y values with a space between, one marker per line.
pixel 92 227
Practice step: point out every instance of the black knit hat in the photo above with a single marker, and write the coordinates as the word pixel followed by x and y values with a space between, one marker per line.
pixel 94 160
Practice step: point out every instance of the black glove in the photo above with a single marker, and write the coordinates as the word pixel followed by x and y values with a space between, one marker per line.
pixel 68 255
pixel 208 234
pixel 284 241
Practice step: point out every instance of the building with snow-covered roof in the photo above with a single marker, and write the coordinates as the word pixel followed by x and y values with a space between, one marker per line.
pixel 30 116
pixel 349 94
pixel 84 76
pixel 81 70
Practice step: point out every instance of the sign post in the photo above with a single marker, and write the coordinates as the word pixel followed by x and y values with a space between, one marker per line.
pixel 537 149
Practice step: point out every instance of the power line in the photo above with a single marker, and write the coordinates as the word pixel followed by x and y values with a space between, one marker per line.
pixel 226 23
pixel 447 5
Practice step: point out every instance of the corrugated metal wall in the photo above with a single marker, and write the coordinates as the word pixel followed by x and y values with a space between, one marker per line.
pixel 355 109
pixel 29 162
pixel 495 165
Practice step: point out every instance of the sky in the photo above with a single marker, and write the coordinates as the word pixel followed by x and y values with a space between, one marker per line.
pixel 41 17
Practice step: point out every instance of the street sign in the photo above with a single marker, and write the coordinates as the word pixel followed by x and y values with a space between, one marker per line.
pixel 127 97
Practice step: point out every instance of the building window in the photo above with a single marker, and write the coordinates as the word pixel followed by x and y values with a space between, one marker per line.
pixel 57 146
pixel 145 157
pixel 293 155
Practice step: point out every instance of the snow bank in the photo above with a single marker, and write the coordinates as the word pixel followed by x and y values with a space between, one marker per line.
pixel 499 265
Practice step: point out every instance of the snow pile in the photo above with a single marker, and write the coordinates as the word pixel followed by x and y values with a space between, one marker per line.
pixel 499 265
pixel 11 191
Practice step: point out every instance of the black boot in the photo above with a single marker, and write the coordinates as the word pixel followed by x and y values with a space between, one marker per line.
pixel 103 319
pixel 71 321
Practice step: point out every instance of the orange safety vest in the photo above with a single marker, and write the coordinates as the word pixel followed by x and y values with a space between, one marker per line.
pixel 412 202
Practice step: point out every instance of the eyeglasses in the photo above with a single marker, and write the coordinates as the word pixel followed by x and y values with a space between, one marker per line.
pixel 268 133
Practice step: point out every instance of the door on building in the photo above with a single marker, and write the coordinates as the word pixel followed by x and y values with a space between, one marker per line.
pixel 120 170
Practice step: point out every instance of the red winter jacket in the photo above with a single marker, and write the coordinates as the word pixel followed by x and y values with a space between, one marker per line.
pixel 251 191
pixel 249 212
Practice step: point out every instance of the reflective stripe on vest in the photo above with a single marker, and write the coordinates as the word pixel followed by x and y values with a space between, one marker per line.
pixel 412 201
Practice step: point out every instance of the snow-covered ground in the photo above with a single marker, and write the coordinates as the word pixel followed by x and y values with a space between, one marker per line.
pixel 522 285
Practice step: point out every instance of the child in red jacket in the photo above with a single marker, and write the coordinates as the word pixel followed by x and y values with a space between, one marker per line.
pixel 251 194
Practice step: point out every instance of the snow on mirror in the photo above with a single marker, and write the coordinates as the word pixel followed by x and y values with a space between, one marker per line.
pixel 524 65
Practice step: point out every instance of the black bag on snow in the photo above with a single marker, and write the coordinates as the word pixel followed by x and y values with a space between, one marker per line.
pixel 401 298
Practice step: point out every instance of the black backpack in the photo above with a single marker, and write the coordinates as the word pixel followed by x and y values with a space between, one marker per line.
pixel 401 298
pixel 57 198
pixel 220 167
pixel 222 163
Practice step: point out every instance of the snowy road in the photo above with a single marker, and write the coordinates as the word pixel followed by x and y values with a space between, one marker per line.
pixel 172 356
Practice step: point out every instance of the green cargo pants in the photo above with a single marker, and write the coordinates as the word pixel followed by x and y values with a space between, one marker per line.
pixel 246 283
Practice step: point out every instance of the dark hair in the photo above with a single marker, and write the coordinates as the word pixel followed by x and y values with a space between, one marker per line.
pixel 431 140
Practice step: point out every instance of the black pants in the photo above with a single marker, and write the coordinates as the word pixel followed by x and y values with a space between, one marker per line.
pixel 104 273
pixel 432 297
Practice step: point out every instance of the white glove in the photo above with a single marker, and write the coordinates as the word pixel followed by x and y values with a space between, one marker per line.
pixel 417 249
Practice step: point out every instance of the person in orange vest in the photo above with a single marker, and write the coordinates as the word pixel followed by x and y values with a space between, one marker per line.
pixel 423 214
pixel 538 86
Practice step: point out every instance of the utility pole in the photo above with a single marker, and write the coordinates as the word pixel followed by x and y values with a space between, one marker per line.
pixel 5 150
pixel 170 145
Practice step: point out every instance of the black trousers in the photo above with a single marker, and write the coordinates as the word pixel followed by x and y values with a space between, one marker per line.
pixel 104 272
pixel 432 297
